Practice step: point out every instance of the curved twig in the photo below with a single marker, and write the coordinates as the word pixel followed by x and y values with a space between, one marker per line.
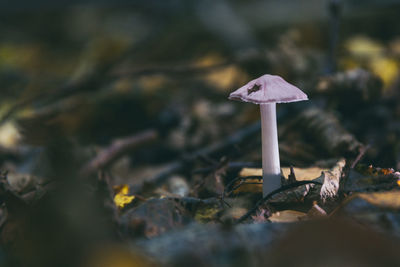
pixel 279 190
pixel 241 179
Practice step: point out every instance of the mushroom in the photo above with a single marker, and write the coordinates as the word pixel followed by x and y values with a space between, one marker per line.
pixel 267 91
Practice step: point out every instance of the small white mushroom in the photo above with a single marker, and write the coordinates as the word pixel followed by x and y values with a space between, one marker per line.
pixel 267 91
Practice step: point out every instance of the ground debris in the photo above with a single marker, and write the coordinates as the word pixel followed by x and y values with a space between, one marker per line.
pixel 325 128
pixel 154 217
pixel 332 179
pixel 370 181
pixel 378 210
pixel 119 143
pixel 215 245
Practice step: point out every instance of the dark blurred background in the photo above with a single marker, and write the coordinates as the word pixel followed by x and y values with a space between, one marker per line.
pixel 96 70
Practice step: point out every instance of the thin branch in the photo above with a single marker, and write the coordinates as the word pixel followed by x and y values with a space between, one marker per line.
pixel 117 149
pixel 267 197
pixel 360 155
pixel 235 139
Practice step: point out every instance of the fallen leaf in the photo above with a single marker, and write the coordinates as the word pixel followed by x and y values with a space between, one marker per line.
pixel 302 174
pixel 207 213
pixel 367 52
pixel 373 171
pixel 330 187
pixel 226 77
pixel 255 185
pixel 287 216
pixel 209 60
pixel 361 46
pixel 386 68
pixel 121 197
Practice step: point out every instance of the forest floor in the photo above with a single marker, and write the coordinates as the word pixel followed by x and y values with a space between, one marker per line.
pixel 119 146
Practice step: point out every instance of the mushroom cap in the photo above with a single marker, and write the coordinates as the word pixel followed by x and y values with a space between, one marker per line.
pixel 268 89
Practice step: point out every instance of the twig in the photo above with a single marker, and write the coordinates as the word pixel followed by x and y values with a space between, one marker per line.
pixel 360 155
pixel 178 165
pixel 267 197
pixel 118 148
pixel 292 176
pixel 232 140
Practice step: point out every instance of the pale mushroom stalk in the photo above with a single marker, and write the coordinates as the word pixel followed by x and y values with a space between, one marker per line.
pixel 270 150
pixel 267 91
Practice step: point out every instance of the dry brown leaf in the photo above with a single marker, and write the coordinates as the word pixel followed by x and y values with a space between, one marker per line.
pixel 287 216
pixel 302 174
pixel 249 186
pixel 255 185
pixel 330 187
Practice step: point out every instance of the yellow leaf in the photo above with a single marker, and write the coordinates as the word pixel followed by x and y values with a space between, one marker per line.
pixel 386 69
pixel 150 83
pixel 348 63
pixel 372 171
pixel 121 197
pixel 364 47
pixel 209 60
pixel 226 77
pixel 121 189
pixel 367 53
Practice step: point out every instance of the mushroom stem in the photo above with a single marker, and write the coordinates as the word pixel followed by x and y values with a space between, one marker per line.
pixel 270 150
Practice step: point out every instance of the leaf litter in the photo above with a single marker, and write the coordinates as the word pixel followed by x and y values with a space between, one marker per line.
pixel 116 162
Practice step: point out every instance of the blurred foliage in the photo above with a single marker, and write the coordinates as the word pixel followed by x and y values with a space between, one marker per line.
pixel 364 52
